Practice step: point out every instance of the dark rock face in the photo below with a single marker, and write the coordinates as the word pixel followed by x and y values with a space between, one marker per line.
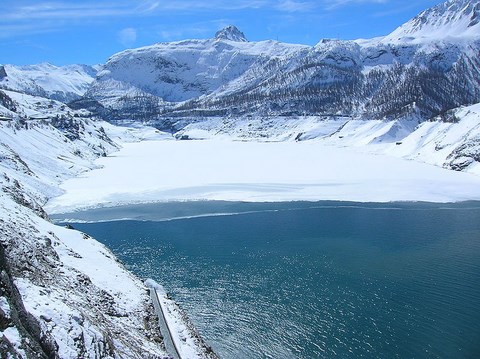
pixel 29 256
pixel 34 342
pixel 3 72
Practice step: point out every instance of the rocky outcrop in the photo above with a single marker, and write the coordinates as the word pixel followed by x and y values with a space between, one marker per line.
pixel 3 72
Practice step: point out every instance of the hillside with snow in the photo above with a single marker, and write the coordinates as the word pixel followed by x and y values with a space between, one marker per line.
pixel 62 83
pixel 454 20
pixel 63 294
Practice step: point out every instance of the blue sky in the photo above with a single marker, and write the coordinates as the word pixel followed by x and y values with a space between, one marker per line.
pixel 90 31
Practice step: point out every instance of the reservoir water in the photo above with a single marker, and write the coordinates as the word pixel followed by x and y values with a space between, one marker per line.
pixel 311 280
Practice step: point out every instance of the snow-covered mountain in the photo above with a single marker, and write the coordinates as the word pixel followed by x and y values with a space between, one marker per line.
pixel 62 83
pixel 454 20
pixel 424 68
pixel 179 71
pixel 230 33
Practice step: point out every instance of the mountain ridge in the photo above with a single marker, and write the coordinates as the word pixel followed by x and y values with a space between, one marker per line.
pixel 456 19
pixel 220 77
pixel 62 83
pixel 229 76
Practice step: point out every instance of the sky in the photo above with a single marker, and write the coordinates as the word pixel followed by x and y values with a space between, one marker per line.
pixel 90 31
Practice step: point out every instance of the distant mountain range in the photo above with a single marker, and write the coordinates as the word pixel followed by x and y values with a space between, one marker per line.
pixel 424 68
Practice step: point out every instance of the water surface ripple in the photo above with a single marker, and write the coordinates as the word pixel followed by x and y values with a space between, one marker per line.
pixel 347 281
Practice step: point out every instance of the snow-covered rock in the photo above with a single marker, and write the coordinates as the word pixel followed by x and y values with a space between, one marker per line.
pixel 61 288
pixel 230 33
pixel 68 296
pixel 63 83
pixel 453 20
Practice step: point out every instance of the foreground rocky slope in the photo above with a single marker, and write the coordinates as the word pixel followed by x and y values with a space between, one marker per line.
pixel 62 294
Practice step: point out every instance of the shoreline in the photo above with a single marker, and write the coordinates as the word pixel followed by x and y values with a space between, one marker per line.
pixel 169 211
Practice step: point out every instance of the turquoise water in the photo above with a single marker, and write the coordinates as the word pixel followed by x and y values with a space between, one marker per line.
pixel 334 281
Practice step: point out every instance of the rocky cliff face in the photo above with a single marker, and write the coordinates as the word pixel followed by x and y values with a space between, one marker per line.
pixel 63 294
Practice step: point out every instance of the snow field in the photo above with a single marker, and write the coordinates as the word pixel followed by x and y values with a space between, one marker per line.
pixel 257 171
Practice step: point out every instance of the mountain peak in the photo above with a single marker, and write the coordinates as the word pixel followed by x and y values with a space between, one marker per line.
pixel 230 33
pixel 451 19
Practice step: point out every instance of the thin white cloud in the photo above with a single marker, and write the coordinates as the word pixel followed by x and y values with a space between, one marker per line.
pixel 33 10
pixel 64 10
pixel 127 36
pixel 211 5
pixel 14 30
pixel 149 6
pixel 295 6
pixel 332 4
pixel 20 18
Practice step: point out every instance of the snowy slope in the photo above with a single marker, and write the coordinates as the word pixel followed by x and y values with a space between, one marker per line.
pixel 60 291
pixel 78 300
pixel 63 83
pixel 452 142
pixel 451 145
pixel 37 107
pixel 453 20
pixel 183 70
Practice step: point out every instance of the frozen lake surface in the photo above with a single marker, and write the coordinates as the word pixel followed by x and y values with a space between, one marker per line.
pixel 165 170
